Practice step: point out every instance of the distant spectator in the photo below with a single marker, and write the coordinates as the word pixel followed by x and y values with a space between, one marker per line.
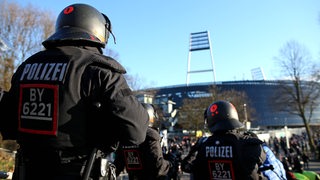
pixel 276 145
pixel 287 167
pixel 174 156
pixel 283 145
pixel 318 147
pixel 305 159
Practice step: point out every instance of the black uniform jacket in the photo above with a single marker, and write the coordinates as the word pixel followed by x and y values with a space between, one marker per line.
pixel 228 155
pixel 72 98
pixel 145 162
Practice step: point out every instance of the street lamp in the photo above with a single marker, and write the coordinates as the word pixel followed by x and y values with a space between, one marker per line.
pixel 286 133
pixel 245 121
pixel 245 112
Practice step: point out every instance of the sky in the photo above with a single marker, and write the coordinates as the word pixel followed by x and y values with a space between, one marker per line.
pixel 152 36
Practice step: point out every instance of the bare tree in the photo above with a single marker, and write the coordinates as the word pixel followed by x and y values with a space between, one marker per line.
pixel 24 28
pixel 137 82
pixel 238 98
pixel 192 110
pixel 300 94
pixel 191 113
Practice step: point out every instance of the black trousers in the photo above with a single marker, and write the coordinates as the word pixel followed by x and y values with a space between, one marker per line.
pixel 47 165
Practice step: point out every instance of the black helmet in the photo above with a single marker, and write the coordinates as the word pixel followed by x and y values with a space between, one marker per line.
pixel 153 115
pixel 80 24
pixel 222 115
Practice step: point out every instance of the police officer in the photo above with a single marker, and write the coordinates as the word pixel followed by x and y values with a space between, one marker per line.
pixel 227 153
pixel 69 99
pixel 146 161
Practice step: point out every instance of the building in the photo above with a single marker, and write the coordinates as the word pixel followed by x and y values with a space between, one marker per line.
pixel 259 93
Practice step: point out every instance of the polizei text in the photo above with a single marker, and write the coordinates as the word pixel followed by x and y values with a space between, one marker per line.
pixel 44 71
pixel 219 151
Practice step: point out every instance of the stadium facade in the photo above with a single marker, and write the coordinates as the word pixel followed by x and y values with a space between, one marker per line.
pixel 259 93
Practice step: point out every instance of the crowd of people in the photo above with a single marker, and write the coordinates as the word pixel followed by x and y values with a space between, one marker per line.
pixel 70 108
pixel 296 157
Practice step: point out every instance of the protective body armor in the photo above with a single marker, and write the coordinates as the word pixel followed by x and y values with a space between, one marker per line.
pixel 50 89
pixel 143 162
pixel 228 156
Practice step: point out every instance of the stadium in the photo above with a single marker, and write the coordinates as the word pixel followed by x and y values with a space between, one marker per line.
pixel 259 92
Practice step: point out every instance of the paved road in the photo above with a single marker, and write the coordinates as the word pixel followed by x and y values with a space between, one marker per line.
pixel 314 165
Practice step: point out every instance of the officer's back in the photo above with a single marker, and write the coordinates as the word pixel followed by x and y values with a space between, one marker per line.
pixel 226 154
pixel 70 99
pixel 146 161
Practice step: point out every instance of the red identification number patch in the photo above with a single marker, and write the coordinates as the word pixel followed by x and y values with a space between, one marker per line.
pixel 38 109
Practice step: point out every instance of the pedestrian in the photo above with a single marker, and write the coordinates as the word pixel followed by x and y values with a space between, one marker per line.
pixel 69 105
pixel 276 146
pixel 144 161
pixel 227 153
pixel 288 168
pixel 174 156
pixel 318 149
pixel 283 145
pixel 305 159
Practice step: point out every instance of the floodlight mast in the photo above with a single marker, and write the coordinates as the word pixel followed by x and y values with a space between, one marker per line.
pixel 258 74
pixel 200 41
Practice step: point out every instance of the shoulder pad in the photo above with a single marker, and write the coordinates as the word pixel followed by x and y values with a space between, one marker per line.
pixel 251 140
pixel 152 134
pixel 111 63
pixel 202 140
